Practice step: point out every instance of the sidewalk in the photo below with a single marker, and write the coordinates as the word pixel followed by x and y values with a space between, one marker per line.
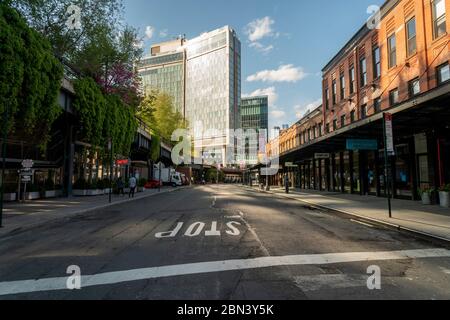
pixel 430 221
pixel 22 216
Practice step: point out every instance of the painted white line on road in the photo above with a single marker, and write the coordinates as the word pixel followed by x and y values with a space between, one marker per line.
pixel 330 281
pixel 233 217
pixel 447 271
pixel 53 284
pixel 362 223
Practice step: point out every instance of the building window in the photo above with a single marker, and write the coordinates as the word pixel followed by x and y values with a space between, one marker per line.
pixel 327 98
pixel 352 79
pixel 342 121
pixel 352 116
pixel 414 87
pixel 411 36
pixel 327 128
pixel 309 135
pixel 439 20
pixel 334 124
pixel 364 111
pixel 334 92
pixel 320 130
pixel 393 97
pixel 363 67
pixel 342 83
pixel 377 105
pixel 392 51
pixel 376 63
pixel 443 73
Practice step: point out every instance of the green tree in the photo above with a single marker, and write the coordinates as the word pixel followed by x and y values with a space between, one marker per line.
pixel 30 78
pixel 90 105
pixel 50 17
pixel 158 112
pixel 102 47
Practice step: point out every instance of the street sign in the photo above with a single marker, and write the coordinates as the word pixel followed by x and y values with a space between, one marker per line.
pixel 389 134
pixel 26 179
pixel 290 165
pixel 322 156
pixel 27 164
pixel 362 144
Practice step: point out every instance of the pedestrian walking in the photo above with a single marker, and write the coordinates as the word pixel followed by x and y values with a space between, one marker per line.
pixel 120 186
pixel 286 183
pixel 133 185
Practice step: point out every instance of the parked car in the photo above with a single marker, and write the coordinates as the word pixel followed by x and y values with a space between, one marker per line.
pixel 152 184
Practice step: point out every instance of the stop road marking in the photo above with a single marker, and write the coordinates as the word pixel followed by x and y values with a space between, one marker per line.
pixel 196 229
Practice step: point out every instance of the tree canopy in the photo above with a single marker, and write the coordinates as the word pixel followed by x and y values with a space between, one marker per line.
pixel 104 117
pixel 30 78
pixel 158 111
pixel 99 44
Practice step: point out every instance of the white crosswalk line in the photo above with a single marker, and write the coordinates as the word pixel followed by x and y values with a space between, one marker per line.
pixel 52 284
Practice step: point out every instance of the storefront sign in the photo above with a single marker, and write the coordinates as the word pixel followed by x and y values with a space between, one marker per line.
pixel 290 165
pixel 362 144
pixel 122 162
pixel 322 156
pixel 389 134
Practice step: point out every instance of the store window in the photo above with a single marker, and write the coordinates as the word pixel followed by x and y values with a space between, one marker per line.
pixel 402 171
pixel 355 172
pixel 347 172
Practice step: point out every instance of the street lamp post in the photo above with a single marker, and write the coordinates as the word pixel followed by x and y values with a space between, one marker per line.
pixel 111 165
pixel 160 166
pixel 5 134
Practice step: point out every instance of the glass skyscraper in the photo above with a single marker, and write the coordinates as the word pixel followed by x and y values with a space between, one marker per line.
pixel 164 71
pixel 254 112
pixel 213 87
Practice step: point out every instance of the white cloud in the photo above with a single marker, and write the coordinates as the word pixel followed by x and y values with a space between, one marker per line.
pixel 285 73
pixel 139 44
pixel 163 33
pixel 302 110
pixel 149 32
pixel 278 114
pixel 270 92
pixel 259 28
pixel 258 46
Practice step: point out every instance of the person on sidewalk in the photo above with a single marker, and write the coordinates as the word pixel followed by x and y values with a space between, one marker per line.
pixel 120 186
pixel 286 183
pixel 133 185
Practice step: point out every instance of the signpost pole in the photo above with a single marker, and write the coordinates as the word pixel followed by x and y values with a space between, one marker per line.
pixel 110 169
pixel 160 167
pixel 386 163
pixel 5 132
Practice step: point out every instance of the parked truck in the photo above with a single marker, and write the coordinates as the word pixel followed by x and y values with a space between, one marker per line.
pixel 169 176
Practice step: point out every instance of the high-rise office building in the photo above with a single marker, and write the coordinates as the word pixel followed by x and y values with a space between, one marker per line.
pixel 255 116
pixel 213 87
pixel 203 76
pixel 164 71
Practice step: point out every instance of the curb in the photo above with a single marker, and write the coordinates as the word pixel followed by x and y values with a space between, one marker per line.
pixel 417 233
pixel 84 211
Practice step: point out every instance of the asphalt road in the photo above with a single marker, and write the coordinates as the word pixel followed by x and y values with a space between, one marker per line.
pixel 219 242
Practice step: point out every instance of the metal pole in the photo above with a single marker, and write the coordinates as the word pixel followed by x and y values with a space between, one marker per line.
pixel 160 168
pixel 386 169
pixel 111 165
pixel 5 133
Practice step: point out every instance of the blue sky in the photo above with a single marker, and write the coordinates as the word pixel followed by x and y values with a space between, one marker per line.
pixel 285 43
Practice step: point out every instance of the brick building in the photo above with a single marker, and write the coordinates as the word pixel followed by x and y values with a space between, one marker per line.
pixel 402 68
